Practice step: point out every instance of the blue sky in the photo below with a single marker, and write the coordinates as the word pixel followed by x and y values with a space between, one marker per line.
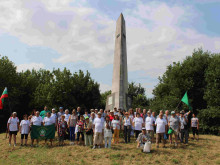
pixel 80 35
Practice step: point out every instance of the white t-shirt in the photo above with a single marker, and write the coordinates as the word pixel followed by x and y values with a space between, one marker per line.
pixel 48 121
pixel 127 121
pixel 194 122
pixel 138 123
pixel 98 122
pixel 13 123
pixel 161 124
pixel 37 120
pixel 54 116
pixel 66 117
pixel 116 124
pixel 149 123
pixel 25 126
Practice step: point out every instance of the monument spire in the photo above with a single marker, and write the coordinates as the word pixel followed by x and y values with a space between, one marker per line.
pixel 119 97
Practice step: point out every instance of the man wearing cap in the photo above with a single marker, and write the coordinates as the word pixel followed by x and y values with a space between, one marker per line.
pixel 142 138
pixel 98 127
pixel 44 112
pixel 161 128
pixel 60 113
pixel 174 124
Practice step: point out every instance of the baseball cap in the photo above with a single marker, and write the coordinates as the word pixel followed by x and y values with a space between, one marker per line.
pixel 61 108
pixel 143 128
pixel 86 117
pixel 99 113
pixel 173 112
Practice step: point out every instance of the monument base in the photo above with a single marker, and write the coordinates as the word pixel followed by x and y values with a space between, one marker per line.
pixel 114 100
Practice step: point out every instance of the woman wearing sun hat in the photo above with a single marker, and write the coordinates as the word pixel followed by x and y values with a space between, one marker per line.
pixel 88 132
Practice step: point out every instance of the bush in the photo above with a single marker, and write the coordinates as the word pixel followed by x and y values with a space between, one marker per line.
pixel 209 120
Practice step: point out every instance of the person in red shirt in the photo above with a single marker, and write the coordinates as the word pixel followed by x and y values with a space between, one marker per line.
pixel 111 116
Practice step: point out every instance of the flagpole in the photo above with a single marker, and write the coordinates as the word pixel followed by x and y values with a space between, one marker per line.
pixel 178 104
pixel 9 106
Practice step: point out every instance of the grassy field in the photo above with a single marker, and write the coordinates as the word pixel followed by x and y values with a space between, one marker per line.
pixel 205 151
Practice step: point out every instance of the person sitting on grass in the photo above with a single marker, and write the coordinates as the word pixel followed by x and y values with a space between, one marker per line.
pixel 161 128
pixel 195 126
pixel 62 127
pixel 48 121
pixel 142 138
pixel 24 129
pixel 80 124
pixel 13 126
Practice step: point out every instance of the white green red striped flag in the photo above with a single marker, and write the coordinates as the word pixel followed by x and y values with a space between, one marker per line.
pixel 4 95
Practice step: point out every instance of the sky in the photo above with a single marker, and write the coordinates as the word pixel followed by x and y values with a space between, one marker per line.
pixel 80 35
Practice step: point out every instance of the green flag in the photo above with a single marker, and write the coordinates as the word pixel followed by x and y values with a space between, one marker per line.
pixel 186 100
pixel 43 132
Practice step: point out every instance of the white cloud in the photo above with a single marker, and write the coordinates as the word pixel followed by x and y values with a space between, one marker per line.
pixel 30 66
pixel 217 45
pixel 104 87
pixel 78 32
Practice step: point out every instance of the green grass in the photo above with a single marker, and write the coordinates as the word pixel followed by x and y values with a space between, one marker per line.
pixel 205 151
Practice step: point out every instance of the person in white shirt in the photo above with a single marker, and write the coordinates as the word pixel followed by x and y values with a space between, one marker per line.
pixel 54 115
pixel 195 126
pixel 67 115
pixel 60 113
pixel 24 129
pixel 38 121
pixel 138 123
pixel 96 113
pixel 149 125
pixel 161 128
pixel 98 127
pixel 48 121
pixel 127 122
pixel 13 126
pixel 107 132
pixel 116 127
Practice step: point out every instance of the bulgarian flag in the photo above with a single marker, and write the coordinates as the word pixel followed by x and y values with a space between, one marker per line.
pixel 186 100
pixel 4 95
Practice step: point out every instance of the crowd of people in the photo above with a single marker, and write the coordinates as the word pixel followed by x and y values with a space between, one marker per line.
pixel 107 125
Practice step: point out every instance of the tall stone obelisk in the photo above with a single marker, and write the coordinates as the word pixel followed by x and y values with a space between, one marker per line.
pixel 119 97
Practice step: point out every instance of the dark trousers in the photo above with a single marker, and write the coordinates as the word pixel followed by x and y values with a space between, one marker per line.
pixel 184 133
pixel 78 135
pixel 127 133
pixel 137 133
pixel 72 133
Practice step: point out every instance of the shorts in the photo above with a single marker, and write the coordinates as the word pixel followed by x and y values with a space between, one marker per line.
pixel 24 135
pixel 13 132
pixel 195 130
